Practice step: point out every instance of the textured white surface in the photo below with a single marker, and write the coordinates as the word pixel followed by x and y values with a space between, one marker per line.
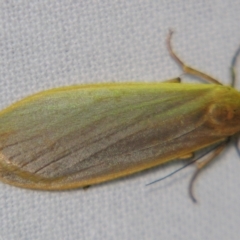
pixel 45 44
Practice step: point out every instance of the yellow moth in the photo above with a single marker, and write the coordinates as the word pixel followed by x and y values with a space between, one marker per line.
pixel 77 136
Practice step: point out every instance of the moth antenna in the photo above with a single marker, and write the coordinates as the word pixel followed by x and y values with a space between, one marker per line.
pixel 216 151
pixel 233 67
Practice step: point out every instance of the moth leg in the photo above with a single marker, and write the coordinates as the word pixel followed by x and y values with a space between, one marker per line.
pixel 201 164
pixel 186 68
pixel 174 80
pixel 86 187
pixel 189 155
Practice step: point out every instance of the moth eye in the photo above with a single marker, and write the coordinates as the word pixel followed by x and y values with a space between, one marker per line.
pixel 220 113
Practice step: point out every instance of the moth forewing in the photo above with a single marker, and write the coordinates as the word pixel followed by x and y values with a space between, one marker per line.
pixel 77 136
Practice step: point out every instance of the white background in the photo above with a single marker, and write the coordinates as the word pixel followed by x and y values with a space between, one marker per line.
pixel 46 44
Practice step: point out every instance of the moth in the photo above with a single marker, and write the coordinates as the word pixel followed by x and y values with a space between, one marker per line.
pixel 76 136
